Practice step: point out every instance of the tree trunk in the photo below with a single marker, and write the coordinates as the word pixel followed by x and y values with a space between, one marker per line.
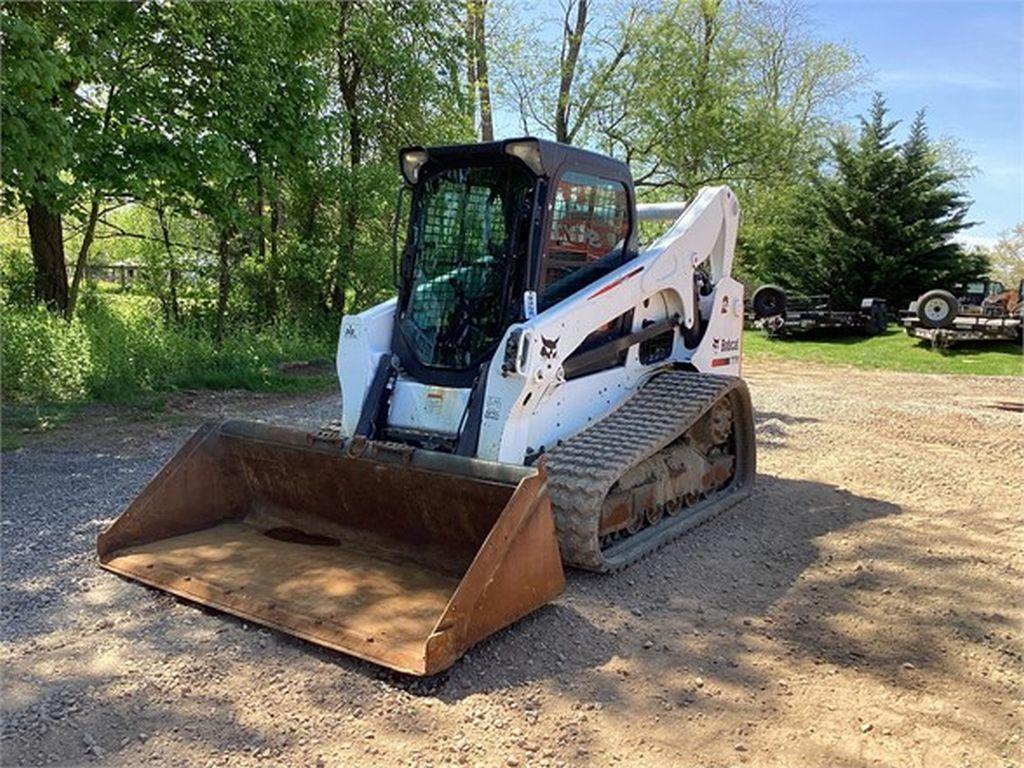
pixel 266 287
pixel 339 296
pixel 572 39
pixel 172 267
pixel 471 70
pixel 83 256
pixel 47 237
pixel 223 284
pixel 349 75
pixel 273 269
pixel 480 45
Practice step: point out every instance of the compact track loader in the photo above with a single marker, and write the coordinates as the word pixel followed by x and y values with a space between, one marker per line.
pixel 541 390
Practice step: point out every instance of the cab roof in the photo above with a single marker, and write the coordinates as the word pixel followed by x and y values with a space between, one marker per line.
pixel 554 157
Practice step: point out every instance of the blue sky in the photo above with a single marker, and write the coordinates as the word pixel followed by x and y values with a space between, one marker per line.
pixel 961 61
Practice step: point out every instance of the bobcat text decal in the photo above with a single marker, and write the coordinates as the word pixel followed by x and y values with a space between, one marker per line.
pixel 725 345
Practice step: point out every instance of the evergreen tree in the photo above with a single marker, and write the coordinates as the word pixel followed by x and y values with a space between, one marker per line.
pixel 880 222
pixel 934 210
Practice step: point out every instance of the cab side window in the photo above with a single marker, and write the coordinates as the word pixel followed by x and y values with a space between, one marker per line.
pixel 589 228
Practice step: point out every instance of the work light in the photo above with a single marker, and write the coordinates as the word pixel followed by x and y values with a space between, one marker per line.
pixel 411 161
pixel 527 150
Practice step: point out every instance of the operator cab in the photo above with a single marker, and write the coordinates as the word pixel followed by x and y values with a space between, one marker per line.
pixel 496 232
pixel 975 293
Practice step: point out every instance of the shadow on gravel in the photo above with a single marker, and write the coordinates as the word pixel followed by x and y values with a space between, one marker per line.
pixel 692 617
pixel 686 611
pixel 773 427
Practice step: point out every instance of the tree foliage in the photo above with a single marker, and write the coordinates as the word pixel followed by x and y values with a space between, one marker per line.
pixel 243 154
pixel 883 220
pixel 1007 257
pixel 268 131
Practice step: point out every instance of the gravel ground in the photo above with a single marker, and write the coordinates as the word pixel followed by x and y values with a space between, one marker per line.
pixel 862 608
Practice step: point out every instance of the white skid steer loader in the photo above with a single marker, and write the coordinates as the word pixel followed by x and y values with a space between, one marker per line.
pixel 541 390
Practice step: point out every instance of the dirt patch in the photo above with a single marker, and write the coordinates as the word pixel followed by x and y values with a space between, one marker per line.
pixel 862 607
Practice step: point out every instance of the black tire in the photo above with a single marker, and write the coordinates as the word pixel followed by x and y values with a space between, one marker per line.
pixel 937 309
pixel 768 301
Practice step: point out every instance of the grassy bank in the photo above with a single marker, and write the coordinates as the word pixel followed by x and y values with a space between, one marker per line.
pixel 119 349
pixel 892 350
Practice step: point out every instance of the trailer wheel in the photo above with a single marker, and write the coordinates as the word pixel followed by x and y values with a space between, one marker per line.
pixel 937 309
pixel 768 301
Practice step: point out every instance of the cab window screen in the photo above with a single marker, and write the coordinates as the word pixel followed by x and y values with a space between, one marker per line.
pixel 465 253
pixel 589 227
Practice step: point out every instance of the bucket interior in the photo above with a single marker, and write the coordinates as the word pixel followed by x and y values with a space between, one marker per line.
pixel 358 555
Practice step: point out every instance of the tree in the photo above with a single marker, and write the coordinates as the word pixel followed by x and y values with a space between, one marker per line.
pixel 1007 257
pixel 562 98
pixel 477 70
pixel 396 77
pixel 64 122
pixel 886 219
pixel 38 82
pixel 723 92
pixel 231 96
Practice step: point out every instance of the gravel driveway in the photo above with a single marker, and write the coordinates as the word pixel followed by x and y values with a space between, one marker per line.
pixel 862 607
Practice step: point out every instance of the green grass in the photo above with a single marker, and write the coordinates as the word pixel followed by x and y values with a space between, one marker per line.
pixel 892 350
pixel 118 349
pixel 18 420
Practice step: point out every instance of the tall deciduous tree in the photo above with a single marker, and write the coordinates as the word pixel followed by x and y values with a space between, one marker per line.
pixel 1007 256
pixel 477 67
pixel 397 82
pixel 57 56
pixel 562 97
pixel 723 92
pixel 231 98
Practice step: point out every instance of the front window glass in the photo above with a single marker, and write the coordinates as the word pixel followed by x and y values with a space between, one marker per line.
pixel 589 226
pixel 466 254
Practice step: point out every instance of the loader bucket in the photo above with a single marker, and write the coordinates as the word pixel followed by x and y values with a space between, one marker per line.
pixel 404 558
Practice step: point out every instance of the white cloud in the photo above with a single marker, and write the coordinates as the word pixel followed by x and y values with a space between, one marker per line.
pixel 976 241
pixel 928 78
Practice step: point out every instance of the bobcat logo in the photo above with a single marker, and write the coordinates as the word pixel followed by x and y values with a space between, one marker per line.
pixel 549 347
pixel 725 345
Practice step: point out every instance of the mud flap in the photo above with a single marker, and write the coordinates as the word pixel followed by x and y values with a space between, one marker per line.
pixel 403 558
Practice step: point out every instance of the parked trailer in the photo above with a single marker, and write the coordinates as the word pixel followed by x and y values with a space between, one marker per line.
pixel 965 328
pixel 780 314
pixel 981 311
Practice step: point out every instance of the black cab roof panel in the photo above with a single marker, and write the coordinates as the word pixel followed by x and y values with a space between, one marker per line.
pixel 553 157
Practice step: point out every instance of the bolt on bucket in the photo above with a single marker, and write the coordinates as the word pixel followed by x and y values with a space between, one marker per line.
pixel 402 557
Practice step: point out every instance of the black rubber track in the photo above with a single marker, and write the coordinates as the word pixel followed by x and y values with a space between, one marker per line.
pixel 583 469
